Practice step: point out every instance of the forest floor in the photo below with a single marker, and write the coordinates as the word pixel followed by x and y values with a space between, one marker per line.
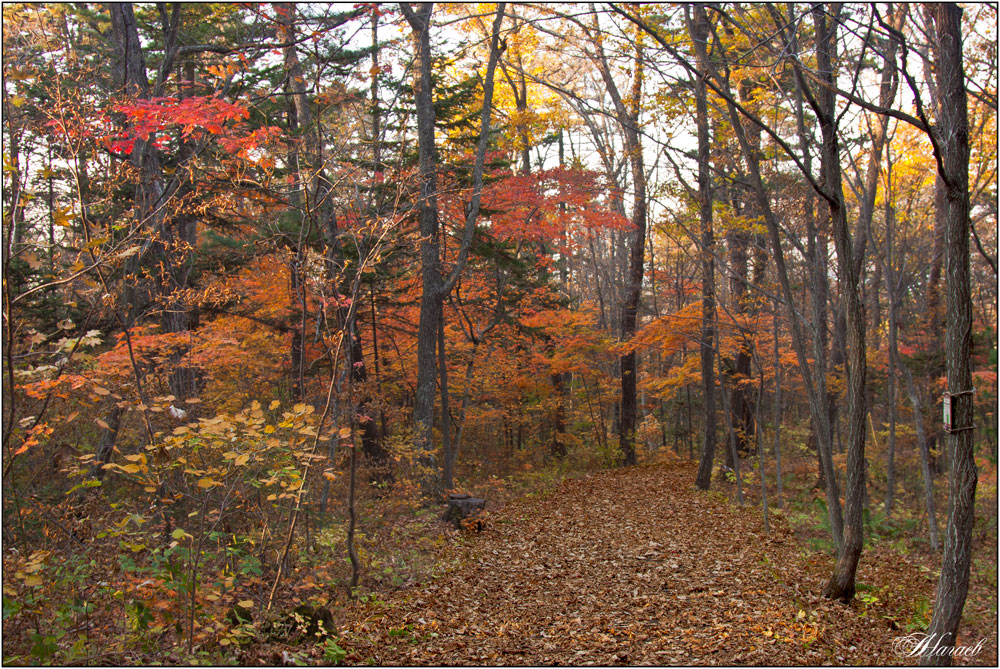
pixel 636 566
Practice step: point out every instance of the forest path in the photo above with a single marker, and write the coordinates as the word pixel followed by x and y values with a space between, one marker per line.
pixel 630 566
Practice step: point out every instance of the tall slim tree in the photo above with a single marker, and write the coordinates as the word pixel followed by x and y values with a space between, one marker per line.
pixel 841 584
pixel 627 114
pixel 434 287
pixel 430 259
pixel 952 152
pixel 698 28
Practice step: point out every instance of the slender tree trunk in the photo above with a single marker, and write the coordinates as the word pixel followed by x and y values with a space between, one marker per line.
pixel 741 406
pixel 698 28
pixel 890 281
pixel 760 453
pixel 932 292
pixel 777 411
pixel 449 460
pixel 372 435
pixel 627 113
pixel 352 513
pixel 820 290
pixel 814 382
pixel 893 290
pixel 890 494
pixel 299 115
pixel 558 445
pixel 560 380
pixel 925 465
pixel 952 133
pixel 842 582
pixel 935 316
pixel 690 422
pixel 731 434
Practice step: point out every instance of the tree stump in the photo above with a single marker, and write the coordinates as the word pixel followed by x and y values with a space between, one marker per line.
pixel 462 506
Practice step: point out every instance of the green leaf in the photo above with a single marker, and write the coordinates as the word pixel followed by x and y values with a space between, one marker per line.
pixel 92 483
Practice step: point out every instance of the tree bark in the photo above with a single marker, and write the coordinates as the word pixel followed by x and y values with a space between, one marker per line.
pixel 952 134
pixel 842 583
pixel 925 466
pixel 734 455
pixel 741 405
pixel 698 28
pixel 449 460
pixel 777 411
pixel 430 261
pixel 627 115
pixel 435 288
pixel 814 382
pixel 819 290
pixel 299 118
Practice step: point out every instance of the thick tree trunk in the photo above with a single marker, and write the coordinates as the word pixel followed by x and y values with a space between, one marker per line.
pixel 952 134
pixel 430 262
pixel 139 292
pixel 731 439
pixel 182 235
pixel 435 288
pixel 741 405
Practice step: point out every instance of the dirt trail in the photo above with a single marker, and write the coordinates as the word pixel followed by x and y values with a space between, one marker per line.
pixel 632 566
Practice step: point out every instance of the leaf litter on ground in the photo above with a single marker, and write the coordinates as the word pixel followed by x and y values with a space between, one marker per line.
pixel 636 566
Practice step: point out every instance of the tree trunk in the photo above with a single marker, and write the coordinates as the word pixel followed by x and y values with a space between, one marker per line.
pixel 925 466
pixel 952 134
pixel 731 435
pixel 698 28
pixel 891 284
pixel 777 411
pixel 129 70
pixel 820 290
pixel 299 116
pixel 435 289
pixel 627 114
pixel 814 382
pixel 558 445
pixel 430 262
pixel 182 234
pixel 760 454
pixel 842 583
pixel 449 460
pixel 890 493
pixel 741 406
